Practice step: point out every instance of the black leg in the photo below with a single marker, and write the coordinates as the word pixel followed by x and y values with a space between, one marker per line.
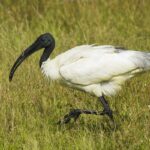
pixel 107 109
pixel 75 113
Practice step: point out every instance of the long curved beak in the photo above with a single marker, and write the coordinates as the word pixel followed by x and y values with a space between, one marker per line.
pixel 27 52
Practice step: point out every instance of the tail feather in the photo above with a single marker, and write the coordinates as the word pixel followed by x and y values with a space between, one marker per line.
pixel 142 60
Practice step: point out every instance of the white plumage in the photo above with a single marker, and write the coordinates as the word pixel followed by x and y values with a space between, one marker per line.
pixel 97 70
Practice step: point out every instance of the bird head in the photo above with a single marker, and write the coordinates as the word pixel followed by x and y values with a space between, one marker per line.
pixel 43 41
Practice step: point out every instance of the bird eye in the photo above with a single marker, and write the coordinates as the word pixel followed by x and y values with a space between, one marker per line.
pixel 45 40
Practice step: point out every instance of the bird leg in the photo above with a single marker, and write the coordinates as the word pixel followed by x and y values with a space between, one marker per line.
pixel 75 113
pixel 107 109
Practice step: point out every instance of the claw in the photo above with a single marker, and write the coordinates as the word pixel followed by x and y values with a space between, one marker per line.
pixel 74 113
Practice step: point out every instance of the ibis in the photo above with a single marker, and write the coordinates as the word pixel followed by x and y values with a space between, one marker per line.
pixel 98 70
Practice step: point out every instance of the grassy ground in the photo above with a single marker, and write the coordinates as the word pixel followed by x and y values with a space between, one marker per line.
pixel 31 105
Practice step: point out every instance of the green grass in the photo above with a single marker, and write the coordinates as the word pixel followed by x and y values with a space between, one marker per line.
pixel 31 105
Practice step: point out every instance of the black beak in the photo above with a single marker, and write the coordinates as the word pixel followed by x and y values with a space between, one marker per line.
pixel 44 41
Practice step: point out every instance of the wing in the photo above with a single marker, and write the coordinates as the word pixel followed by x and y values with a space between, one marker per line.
pixel 101 68
pixel 85 51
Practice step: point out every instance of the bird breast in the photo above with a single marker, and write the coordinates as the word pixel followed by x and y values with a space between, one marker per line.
pixel 50 69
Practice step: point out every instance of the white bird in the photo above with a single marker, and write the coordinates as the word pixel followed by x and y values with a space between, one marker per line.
pixel 98 70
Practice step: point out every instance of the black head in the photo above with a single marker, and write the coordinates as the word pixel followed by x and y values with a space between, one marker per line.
pixel 43 41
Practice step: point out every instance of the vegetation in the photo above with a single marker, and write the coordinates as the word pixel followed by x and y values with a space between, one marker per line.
pixel 31 105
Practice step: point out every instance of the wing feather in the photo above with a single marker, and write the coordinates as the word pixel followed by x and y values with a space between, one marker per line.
pixel 101 68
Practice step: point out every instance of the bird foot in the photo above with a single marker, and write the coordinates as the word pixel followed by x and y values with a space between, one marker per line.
pixel 109 113
pixel 74 113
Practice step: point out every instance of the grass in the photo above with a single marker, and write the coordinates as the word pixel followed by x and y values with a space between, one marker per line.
pixel 31 105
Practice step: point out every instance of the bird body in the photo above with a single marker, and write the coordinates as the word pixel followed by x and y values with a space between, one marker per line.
pixel 97 70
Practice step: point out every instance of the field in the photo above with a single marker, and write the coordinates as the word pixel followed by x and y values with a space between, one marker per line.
pixel 31 105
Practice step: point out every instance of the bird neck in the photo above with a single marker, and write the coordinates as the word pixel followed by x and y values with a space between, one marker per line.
pixel 47 51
